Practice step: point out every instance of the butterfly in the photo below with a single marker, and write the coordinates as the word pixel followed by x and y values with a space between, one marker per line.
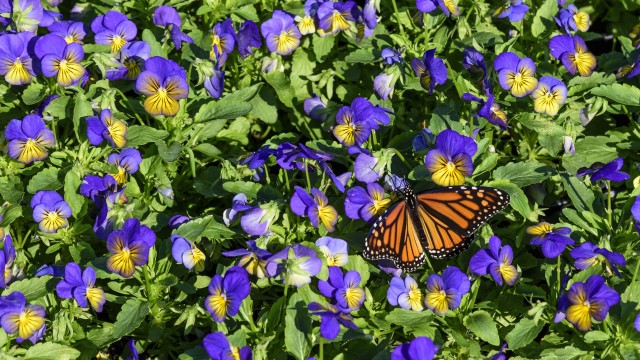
pixel 443 219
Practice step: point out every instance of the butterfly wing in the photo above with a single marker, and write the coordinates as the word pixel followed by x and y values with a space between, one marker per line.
pixel 394 236
pixel 451 215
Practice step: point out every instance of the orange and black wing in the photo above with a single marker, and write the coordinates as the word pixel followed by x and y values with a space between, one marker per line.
pixel 450 216
pixel 394 236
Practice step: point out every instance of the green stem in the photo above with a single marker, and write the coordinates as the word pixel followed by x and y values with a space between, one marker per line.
pixel 306 171
pixel 130 106
pixel 321 348
pixel 395 10
pixel 147 284
pixel 558 279
pixel 609 211
pixel 635 273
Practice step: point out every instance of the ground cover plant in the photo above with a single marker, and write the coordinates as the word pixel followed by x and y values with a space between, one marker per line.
pixel 273 179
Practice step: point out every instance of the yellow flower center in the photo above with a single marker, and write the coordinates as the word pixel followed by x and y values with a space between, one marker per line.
pixel 286 42
pixel 219 304
pixel 415 299
pixel 53 221
pixel 438 301
pixel 117 42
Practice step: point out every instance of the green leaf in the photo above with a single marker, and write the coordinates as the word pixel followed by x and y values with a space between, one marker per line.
pixel 361 55
pixel 624 94
pixel 253 190
pixel 238 131
pixel 171 153
pixel 81 110
pixel 11 189
pixel 543 20
pixel 297 330
pixel 322 46
pixel 49 350
pixel 34 93
pixel 536 123
pixel 519 201
pixel 523 173
pixel 46 179
pixel 207 226
pixel 140 134
pixel 525 331
pixel 481 324
pixel 264 106
pixel 408 318
pixel 72 183
pixel 32 288
pixel 581 196
pixel 156 46
pixel 582 83
pixel 282 85
pixel 222 110
pixel 11 213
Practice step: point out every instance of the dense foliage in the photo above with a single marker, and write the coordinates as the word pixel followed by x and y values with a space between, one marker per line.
pixel 197 179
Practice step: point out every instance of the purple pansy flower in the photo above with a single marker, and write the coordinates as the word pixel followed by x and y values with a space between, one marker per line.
pixel 15 63
pixel 296 264
pixel 132 58
pixel 79 285
pixel 514 10
pixel 281 33
pixel 336 251
pixel 255 219
pixel 516 74
pixel 384 83
pixel 496 260
pixel 635 212
pixel 367 168
pixel 451 161
pixel 367 20
pixel 16 317
pixel 637 323
pixel 258 158
pixel 50 211
pixel 586 301
pixel 223 40
pixel 185 252
pixel 448 7
pixel 164 82
pixel 106 127
pixel 405 293
pixel 7 257
pixel 609 171
pixel 445 292
pixel 128 161
pixel 629 71
pixel 113 29
pixel 330 319
pixel 104 192
pixel 315 206
pixel 366 204
pixel 254 260
pixel 390 56
pixel 343 288
pixel 420 348
pixel 49 18
pixel 431 70
pixel 60 60
pixel 227 293
pixel 53 270
pixel 177 220
pixel 129 247
pixel 549 95
pixel 473 61
pixel 219 348
pixel 424 140
pixel 573 53
pixel 214 81
pixel 589 254
pixel 70 31
pixel 23 15
pixel 355 122
pixel 553 240
pixel 489 110
pixel 315 107
pixel 131 344
pixel 337 16
pixel 572 19
pixel 28 139
pixel 248 37
pixel 168 16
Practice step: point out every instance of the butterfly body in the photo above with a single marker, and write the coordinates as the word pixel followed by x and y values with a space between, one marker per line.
pixel 443 221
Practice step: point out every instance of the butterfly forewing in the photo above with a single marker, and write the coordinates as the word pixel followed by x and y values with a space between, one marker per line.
pixel 443 219
pixel 394 236
pixel 451 215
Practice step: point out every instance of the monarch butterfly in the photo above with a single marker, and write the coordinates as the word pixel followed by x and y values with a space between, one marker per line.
pixel 443 219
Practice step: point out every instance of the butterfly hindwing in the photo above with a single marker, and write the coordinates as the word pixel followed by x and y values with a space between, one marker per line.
pixel 450 216
pixel 394 236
